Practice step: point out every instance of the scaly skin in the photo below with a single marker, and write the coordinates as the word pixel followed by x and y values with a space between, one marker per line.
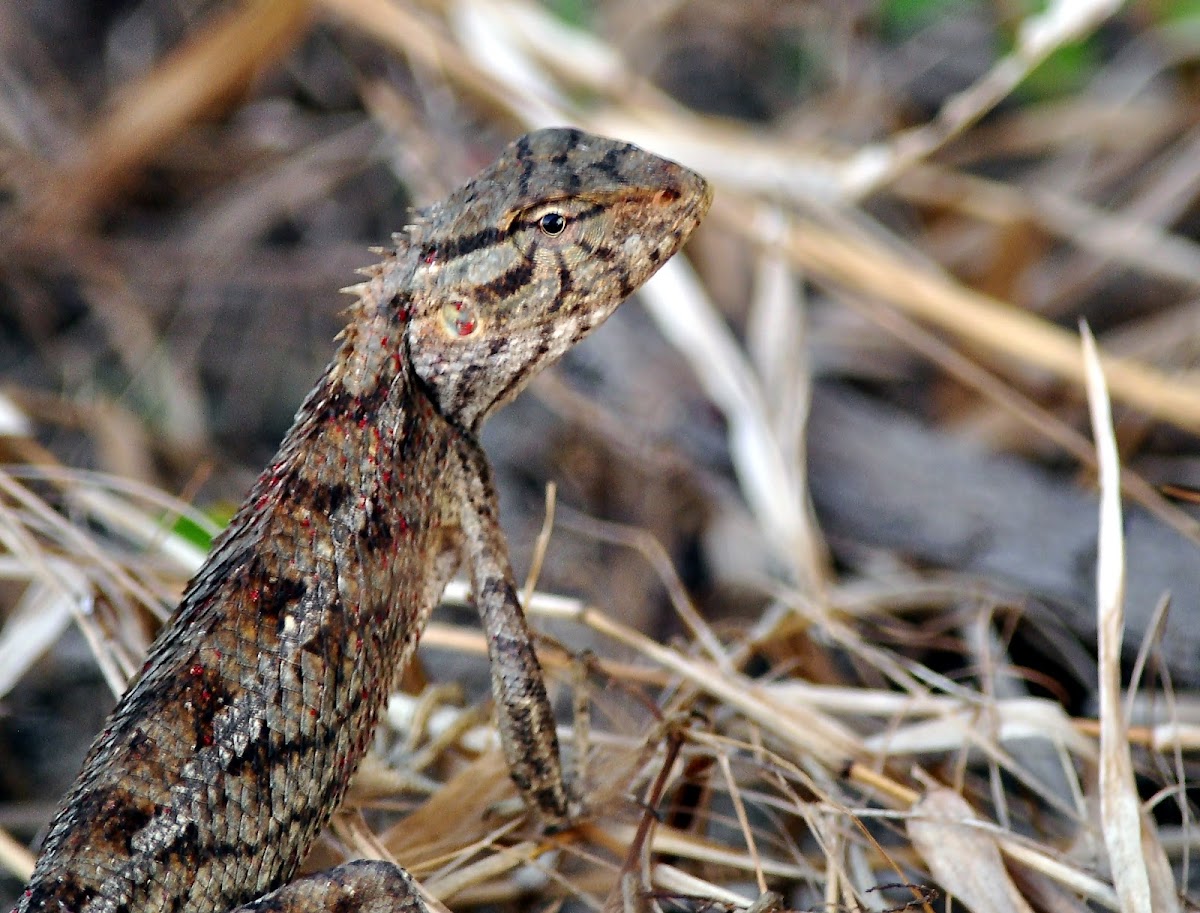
pixel 227 756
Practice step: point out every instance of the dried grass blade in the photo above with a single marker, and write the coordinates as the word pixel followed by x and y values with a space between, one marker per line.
pixel 1008 333
pixel 501 862
pixel 956 727
pixel 13 420
pixel 15 857
pixel 964 859
pixel 771 485
pixel 1069 876
pixel 1128 835
pixel 141 528
pixel 669 878
pixel 809 732
pixel 39 619
pixel 668 841
pixel 492 40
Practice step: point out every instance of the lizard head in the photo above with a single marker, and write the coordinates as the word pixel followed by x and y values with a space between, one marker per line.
pixel 534 253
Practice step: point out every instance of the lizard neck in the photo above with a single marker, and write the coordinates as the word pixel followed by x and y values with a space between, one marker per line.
pixel 374 349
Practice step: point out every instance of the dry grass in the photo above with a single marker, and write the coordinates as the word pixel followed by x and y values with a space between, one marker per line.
pixel 864 739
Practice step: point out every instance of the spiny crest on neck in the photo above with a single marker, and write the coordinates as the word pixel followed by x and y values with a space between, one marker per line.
pixel 373 339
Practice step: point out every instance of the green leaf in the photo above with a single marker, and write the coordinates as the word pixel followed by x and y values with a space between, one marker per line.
pixel 190 531
pixel 573 12
pixel 902 18
pixel 1172 11
pixel 1066 70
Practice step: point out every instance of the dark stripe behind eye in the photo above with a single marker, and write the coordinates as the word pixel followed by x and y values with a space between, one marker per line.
pixel 511 281
pixel 453 248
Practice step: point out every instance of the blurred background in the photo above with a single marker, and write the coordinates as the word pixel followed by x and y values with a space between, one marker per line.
pixel 837 458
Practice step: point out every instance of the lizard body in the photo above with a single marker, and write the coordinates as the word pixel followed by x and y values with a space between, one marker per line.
pixel 232 749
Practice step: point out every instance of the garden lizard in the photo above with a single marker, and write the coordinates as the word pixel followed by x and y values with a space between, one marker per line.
pixel 236 743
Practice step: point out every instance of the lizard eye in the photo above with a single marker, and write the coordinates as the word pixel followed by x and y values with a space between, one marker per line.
pixel 459 317
pixel 552 224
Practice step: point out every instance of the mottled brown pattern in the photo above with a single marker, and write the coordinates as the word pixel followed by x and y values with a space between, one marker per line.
pixel 227 756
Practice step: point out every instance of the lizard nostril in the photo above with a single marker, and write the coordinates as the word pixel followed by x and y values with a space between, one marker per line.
pixel 666 196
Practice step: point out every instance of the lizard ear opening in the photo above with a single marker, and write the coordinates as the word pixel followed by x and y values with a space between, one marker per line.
pixel 460 318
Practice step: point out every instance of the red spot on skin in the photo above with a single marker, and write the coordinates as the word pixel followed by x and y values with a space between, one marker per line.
pixel 430 257
pixel 217 653
pixel 197 670
pixel 255 593
pixel 403 524
pixel 363 421
pixel 463 325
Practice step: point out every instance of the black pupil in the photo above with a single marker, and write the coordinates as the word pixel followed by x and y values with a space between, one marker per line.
pixel 552 223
